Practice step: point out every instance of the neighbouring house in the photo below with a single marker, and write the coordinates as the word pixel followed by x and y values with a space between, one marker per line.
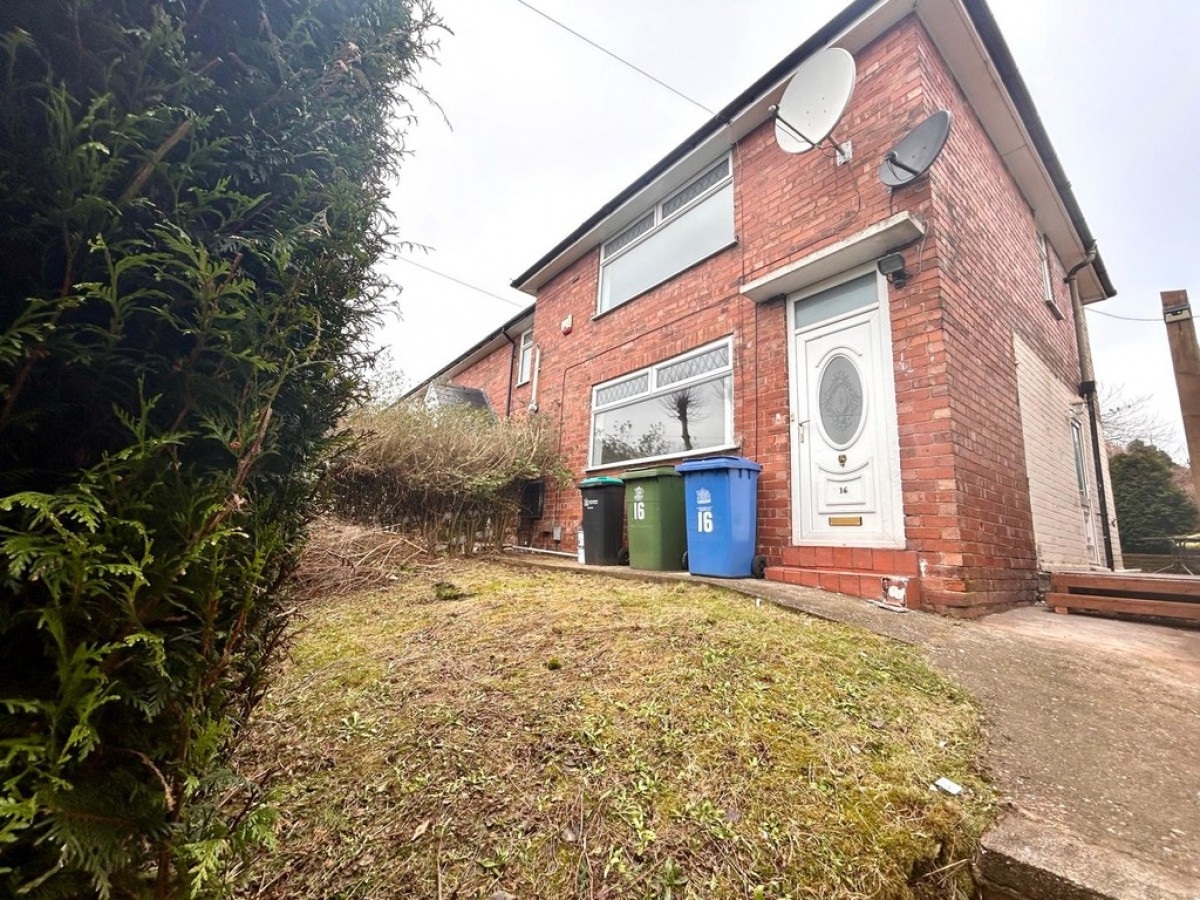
pixel 926 432
pixel 442 395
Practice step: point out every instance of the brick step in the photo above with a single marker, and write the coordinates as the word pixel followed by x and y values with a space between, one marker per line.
pixel 853 560
pixel 868 585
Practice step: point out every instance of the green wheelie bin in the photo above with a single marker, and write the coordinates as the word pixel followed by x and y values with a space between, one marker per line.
pixel 654 512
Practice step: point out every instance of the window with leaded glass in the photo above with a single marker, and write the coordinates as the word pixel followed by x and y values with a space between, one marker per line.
pixel 678 407
pixel 692 223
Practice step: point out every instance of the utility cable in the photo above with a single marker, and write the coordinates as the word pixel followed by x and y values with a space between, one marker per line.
pixel 413 262
pixel 1101 312
pixel 624 62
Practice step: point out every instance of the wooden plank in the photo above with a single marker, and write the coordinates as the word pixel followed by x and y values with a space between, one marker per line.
pixel 1167 608
pixel 1091 582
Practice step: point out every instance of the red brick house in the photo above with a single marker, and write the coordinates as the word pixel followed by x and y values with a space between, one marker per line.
pixel 930 429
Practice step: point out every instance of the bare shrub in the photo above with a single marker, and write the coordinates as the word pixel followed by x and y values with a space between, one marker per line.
pixel 452 477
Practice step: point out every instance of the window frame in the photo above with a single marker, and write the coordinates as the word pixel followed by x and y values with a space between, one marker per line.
pixel 1044 251
pixel 525 357
pixel 1079 453
pixel 655 391
pixel 661 221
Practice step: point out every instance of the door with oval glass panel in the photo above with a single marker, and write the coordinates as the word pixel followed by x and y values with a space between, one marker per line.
pixel 847 459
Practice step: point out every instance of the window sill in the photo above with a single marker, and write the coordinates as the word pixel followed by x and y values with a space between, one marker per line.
pixel 662 460
pixel 522 383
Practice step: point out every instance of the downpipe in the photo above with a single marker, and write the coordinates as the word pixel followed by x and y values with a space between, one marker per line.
pixel 1087 390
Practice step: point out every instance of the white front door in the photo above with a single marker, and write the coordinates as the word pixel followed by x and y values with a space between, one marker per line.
pixel 846 449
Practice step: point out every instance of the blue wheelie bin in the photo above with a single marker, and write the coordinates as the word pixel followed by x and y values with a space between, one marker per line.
pixel 721 496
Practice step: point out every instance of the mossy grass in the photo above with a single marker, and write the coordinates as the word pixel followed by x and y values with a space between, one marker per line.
pixel 553 735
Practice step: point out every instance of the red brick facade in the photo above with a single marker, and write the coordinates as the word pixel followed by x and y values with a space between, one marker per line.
pixel 977 280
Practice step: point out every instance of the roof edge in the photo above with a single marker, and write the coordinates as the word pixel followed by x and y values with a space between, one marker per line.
pixel 985 25
pixel 819 39
pixel 993 40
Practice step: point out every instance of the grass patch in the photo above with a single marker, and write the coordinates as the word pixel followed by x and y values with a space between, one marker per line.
pixel 554 735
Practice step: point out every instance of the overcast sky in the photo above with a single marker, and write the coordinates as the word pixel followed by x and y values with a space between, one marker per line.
pixel 544 129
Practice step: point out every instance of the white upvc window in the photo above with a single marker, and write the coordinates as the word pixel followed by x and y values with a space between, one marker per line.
pixel 679 407
pixel 691 223
pixel 1048 278
pixel 1081 472
pixel 525 357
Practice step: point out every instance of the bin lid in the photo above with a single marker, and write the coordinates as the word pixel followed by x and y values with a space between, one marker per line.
pixel 599 481
pixel 652 472
pixel 710 463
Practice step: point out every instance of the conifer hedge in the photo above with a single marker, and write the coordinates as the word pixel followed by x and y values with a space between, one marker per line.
pixel 191 205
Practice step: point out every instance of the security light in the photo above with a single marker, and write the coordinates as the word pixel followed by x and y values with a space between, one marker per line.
pixel 892 268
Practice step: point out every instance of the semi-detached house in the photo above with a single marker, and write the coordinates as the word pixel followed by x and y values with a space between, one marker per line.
pixel 929 429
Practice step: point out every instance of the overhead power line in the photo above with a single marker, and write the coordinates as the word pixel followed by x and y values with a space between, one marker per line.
pixel 509 300
pixel 621 60
pixel 1101 312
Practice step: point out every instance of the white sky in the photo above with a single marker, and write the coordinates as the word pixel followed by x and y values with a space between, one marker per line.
pixel 545 129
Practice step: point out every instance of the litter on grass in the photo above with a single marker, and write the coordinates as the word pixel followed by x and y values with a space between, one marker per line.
pixel 952 788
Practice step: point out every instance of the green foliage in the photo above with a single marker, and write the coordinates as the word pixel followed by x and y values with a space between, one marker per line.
pixel 193 204
pixel 449 474
pixel 1149 503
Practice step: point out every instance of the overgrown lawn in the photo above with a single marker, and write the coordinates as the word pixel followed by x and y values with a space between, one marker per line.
pixel 480 729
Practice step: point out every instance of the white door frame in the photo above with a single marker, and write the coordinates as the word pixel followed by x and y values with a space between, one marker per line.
pixel 887 373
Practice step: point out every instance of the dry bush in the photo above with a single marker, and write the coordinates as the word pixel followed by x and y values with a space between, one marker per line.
pixel 451 477
pixel 341 559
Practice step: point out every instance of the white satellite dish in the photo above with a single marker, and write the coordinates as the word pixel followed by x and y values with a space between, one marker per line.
pixel 815 100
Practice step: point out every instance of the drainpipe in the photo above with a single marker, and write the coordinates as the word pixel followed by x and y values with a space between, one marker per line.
pixel 512 361
pixel 1087 390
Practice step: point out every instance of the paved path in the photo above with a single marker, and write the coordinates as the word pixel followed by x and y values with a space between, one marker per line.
pixel 1093 737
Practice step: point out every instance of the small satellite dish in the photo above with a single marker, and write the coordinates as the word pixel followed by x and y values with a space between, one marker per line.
pixel 814 100
pixel 912 157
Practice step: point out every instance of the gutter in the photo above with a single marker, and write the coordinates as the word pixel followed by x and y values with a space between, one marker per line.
pixel 989 32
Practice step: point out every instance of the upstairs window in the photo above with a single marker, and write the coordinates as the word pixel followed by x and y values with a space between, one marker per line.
pixel 680 406
pixel 1048 278
pixel 693 222
pixel 525 358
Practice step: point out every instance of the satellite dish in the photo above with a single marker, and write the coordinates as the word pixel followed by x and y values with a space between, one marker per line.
pixel 815 100
pixel 912 157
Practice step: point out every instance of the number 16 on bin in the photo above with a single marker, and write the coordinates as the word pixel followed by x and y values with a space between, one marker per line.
pixel 704 513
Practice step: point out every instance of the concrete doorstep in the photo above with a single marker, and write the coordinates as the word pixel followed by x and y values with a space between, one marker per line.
pixel 1093 737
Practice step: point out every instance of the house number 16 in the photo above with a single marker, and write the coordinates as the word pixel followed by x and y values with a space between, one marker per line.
pixel 639 510
pixel 704 520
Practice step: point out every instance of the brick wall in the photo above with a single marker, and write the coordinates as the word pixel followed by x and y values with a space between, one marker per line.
pixel 977 282
pixel 991 283
pixel 492 375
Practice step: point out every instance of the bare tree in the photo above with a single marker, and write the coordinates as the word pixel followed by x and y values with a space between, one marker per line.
pixel 1129 418
pixel 683 406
